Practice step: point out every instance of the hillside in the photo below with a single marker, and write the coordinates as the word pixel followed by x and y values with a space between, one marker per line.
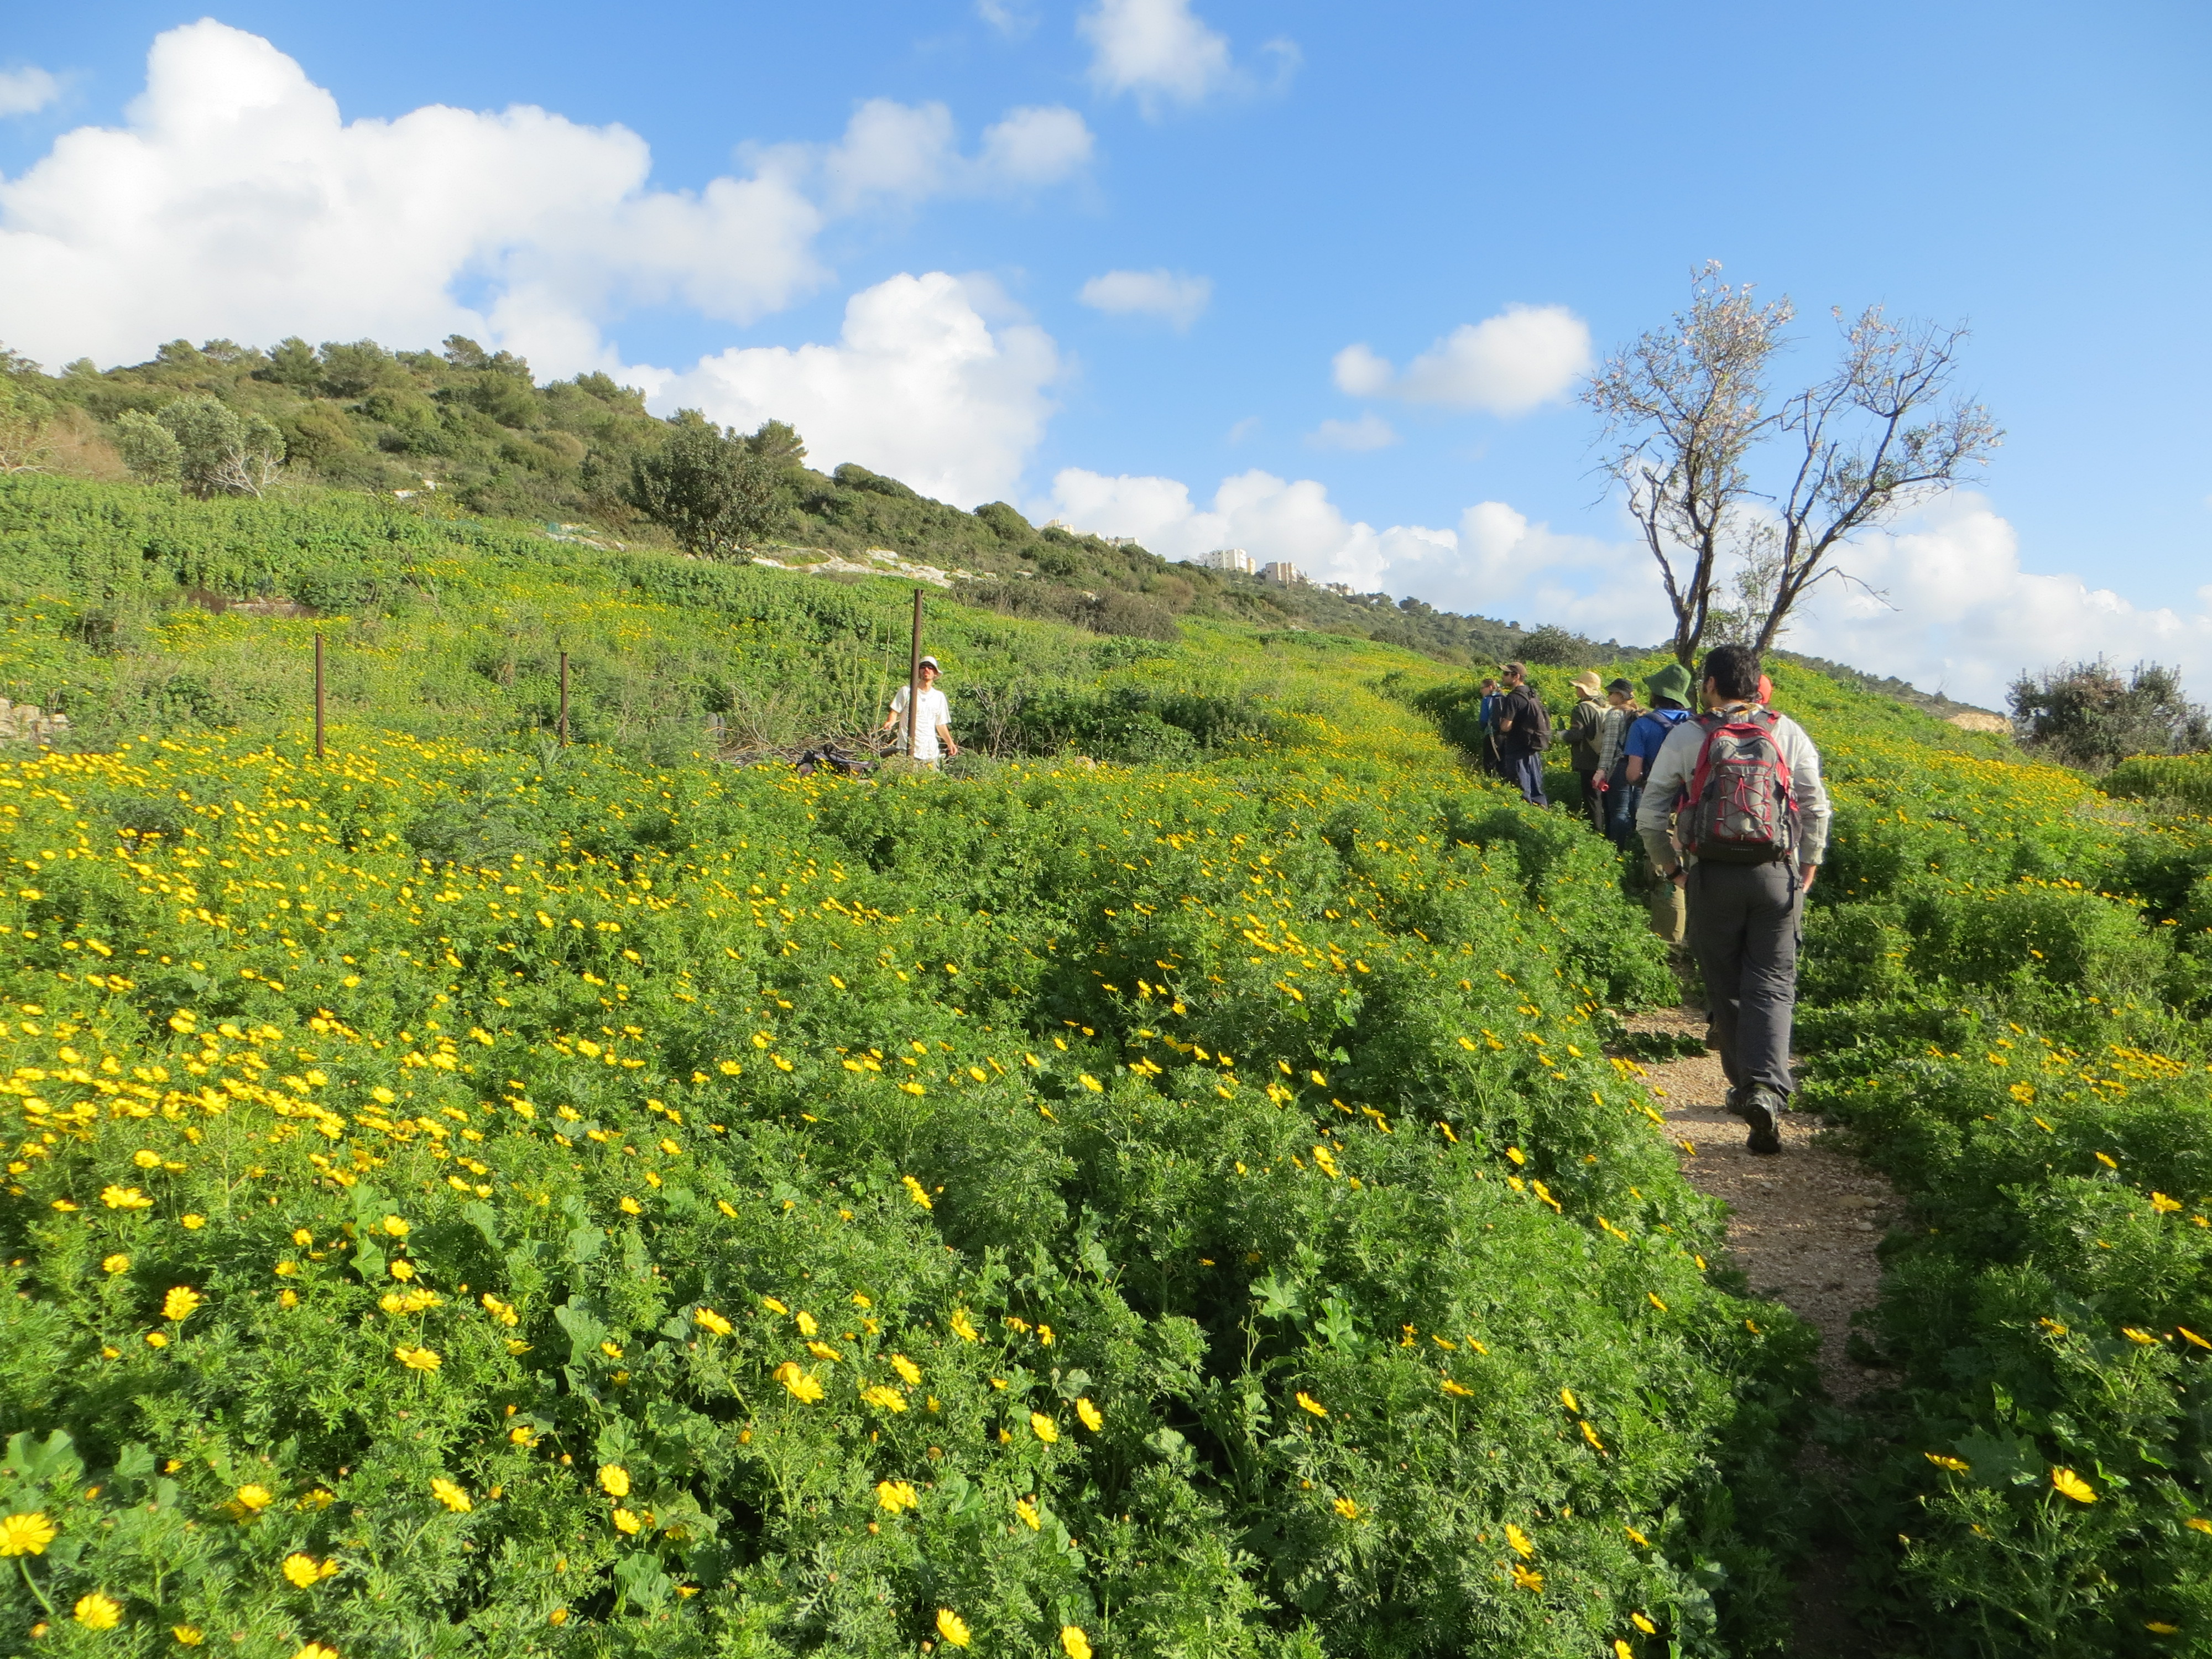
pixel 462 433
pixel 473 1195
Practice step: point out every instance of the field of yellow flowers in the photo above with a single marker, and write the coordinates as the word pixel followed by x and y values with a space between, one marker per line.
pixel 2007 974
pixel 465 1201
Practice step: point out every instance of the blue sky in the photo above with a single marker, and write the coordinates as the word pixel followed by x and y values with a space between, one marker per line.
pixel 1324 175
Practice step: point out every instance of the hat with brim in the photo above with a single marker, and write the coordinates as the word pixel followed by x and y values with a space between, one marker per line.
pixel 929 662
pixel 1672 682
pixel 1587 683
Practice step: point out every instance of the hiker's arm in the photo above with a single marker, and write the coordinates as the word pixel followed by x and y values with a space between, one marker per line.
pixel 1813 810
pixel 1670 776
pixel 1636 768
pixel 944 737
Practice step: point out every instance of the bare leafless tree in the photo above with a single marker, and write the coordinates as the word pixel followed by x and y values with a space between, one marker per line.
pixel 1882 434
pixel 1686 411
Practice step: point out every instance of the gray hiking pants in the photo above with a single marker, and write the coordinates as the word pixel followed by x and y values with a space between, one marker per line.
pixel 1744 924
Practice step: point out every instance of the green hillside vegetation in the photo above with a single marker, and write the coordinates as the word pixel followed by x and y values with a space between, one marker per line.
pixel 468 1194
pixel 472 1194
pixel 464 433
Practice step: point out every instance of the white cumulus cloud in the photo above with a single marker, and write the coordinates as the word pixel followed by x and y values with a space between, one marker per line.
pixel 920 385
pixel 1169 295
pixel 1164 53
pixel 1507 364
pixel 26 91
pixel 235 200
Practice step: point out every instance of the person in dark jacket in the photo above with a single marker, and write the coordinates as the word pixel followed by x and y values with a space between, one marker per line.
pixel 1524 732
pixel 1585 732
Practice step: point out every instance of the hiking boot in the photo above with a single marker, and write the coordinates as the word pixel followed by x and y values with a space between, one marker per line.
pixel 1736 1096
pixel 1762 1110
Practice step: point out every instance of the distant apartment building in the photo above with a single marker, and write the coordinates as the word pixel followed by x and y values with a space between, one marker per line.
pixel 1234 559
pixel 1342 590
pixel 1283 573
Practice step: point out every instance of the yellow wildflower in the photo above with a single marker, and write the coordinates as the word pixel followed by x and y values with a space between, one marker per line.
pixel 451 1495
pixel 915 1191
pixel 1044 1428
pixel 627 1523
pixel 886 1398
pixel 416 1359
pixel 1953 1465
pixel 614 1479
pixel 98 1612
pixel 1073 1642
pixel 1307 1402
pixel 302 1570
pixel 178 1303
pixel 27 1533
pixel 1524 1578
pixel 124 1198
pixel 189 1635
pixel 961 1327
pixel 1519 1540
pixel 1347 1508
pixel 2072 1486
pixel 907 1370
pixel 1093 1419
pixel 254 1497
pixel 1026 1513
pixel 118 1263
pixel 710 1321
pixel 952 1627
pixel 893 1495
pixel 805 1324
pixel 802 1386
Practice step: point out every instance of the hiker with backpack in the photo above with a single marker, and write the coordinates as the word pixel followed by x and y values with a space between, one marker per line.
pixel 1492 696
pixel 1743 785
pixel 1616 802
pixel 1585 730
pixel 1524 733
pixel 1669 691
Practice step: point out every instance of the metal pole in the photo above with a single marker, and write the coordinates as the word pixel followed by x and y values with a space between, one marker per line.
pixel 914 685
pixel 319 696
pixel 564 700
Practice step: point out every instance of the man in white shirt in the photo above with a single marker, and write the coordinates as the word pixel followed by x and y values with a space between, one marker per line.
pixel 1745 919
pixel 932 731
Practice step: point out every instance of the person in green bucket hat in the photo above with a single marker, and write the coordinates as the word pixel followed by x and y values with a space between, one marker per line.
pixel 1669 691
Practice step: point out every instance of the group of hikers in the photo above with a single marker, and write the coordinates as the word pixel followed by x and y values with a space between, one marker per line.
pixel 1727 804
pixel 1725 800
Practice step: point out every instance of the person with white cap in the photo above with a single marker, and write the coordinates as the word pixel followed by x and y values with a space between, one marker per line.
pixel 932 728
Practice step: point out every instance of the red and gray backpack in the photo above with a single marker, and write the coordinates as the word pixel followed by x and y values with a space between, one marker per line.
pixel 1741 807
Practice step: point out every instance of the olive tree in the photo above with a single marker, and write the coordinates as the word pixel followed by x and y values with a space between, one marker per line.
pixel 1723 477
pixel 203 444
pixel 710 489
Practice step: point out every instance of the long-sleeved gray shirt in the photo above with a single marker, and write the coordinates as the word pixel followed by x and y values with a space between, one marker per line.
pixel 1676 763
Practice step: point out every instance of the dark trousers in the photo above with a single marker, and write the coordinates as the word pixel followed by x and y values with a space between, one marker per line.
pixel 1527 771
pixel 1593 802
pixel 1744 923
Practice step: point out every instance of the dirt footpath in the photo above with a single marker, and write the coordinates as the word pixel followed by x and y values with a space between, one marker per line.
pixel 1802 1227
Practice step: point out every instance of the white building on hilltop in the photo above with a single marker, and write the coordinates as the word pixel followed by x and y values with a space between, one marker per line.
pixel 1234 559
pixel 1283 572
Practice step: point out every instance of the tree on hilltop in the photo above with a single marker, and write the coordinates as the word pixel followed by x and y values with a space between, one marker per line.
pixel 2085 714
pixel 203 444
pixel 1689 413
pixel 710 489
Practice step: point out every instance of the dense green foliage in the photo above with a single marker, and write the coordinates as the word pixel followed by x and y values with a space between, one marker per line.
pixel 2005 977
pixel 2088 715
pixel 471 432
pixel 467 1195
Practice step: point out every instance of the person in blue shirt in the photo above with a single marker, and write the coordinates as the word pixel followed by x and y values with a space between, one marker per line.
pixel 1669 690
pixel 1492 696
